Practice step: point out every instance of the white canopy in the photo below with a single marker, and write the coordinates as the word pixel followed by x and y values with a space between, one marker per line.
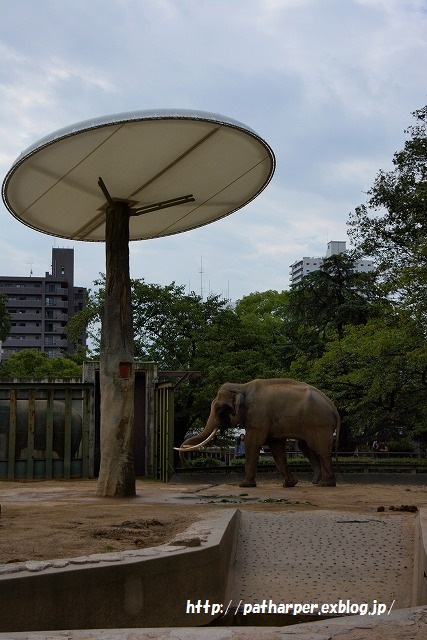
pixel 145 158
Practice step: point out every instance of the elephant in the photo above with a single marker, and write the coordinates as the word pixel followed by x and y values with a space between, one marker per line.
pixel 21 440
pixel 271 411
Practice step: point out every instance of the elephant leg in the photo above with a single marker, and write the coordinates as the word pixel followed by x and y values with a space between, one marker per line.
pixel 313 459
pixel 252 447
pixel 328 476
pixel 278 450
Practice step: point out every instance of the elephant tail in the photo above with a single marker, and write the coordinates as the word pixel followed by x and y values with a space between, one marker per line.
pixel 337 437
pixel 337 434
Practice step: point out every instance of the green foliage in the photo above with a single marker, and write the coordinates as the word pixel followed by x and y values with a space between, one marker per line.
pixel 392 228
pixel 203 462
pixel 400 445
pixel 264 342
pixel 263 461
pixel 392 225
pixel 376 376
pixel 326 300
pixel 237 462
pixel 5 322
pixel 30 364
pixel 88 319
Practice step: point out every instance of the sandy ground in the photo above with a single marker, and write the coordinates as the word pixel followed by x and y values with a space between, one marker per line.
pixel 59 519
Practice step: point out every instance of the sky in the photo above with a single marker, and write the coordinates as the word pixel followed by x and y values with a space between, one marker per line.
pixel 330 85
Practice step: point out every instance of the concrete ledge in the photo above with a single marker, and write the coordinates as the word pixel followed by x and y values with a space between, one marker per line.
pixel 407 623
pixel 142 588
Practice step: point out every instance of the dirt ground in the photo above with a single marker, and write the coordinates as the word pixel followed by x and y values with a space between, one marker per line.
pixel 57 519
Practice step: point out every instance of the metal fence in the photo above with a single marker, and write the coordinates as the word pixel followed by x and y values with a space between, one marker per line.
pixel 46 430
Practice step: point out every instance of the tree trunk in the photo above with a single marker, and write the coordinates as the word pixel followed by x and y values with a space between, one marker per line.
pixel 117 371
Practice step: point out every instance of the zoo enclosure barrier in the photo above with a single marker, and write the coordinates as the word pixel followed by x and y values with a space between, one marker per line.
pixel 51 428
pixel 46 429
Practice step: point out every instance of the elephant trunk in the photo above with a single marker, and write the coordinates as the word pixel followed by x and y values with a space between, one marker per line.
pixel 201 439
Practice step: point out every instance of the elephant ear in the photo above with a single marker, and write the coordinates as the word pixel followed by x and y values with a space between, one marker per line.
pixel 238 403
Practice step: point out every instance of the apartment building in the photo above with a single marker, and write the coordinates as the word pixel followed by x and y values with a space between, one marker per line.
pixel 306 265
pixel 41 307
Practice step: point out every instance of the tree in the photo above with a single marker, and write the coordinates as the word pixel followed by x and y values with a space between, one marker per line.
pixel 327 300
pixel 392 225
pixel 377 374
pixel 172 327
pixel 88 319
pixel 30 364
pixel 392 228
pixel 264 319
pixel 5 321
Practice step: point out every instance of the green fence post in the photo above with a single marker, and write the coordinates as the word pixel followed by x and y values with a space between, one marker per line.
pixel 49 432
pixel 12 435
pixel 31 427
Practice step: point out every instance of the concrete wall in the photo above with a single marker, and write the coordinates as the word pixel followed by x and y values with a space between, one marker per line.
pixel 420 561
pixel 142 588
pixel 146 588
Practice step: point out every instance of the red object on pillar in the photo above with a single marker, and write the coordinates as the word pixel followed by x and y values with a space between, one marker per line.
pixel 124 369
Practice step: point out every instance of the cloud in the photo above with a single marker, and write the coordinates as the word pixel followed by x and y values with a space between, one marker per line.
pixel 329 84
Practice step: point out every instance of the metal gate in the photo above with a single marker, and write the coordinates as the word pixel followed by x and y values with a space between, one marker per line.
pixel 45 430
pixel 163 431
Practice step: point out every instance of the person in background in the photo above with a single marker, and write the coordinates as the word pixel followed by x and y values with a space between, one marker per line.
pixel 239 449
pixel 376 448
pixel 383 449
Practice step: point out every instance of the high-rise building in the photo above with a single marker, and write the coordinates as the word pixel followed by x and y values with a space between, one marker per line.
pixel 41 307
pixel 306 265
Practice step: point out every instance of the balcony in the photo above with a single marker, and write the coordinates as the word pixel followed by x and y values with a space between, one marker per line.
pixel 55 330
pixel 29 303
pixel 57 302
pixel 55 342
pixel 23 342
pixel 28 316
pixel 27 330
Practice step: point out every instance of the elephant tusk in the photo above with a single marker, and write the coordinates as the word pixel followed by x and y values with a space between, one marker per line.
pixel 193 447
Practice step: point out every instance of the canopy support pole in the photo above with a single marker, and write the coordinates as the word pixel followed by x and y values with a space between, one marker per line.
pixel 117 370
